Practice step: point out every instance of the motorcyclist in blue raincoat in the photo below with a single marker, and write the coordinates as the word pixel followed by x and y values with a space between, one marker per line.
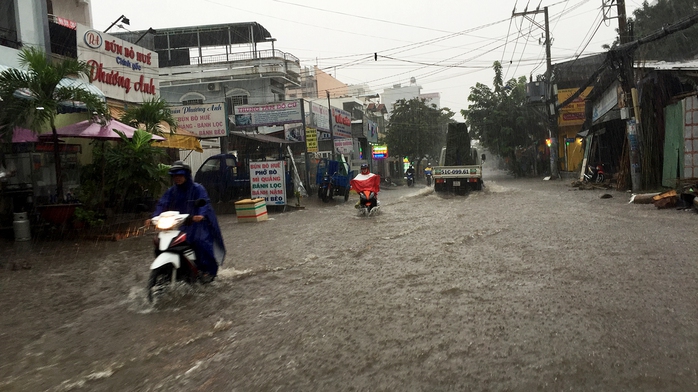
pixel 203 233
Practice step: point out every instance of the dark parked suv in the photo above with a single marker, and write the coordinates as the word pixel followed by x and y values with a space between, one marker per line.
pixel 224 178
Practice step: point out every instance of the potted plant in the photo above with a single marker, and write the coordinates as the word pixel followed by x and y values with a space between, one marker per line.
pixel 86 218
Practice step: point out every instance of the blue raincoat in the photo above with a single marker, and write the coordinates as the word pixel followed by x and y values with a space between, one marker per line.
pixel 205 236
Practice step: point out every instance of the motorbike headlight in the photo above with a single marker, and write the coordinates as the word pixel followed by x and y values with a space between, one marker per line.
pixel 167 221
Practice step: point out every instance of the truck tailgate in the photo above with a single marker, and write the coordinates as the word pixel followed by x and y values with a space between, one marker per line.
pixel 471 171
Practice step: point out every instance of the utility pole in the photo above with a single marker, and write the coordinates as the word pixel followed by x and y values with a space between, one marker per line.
pixel 627 82
pixel 223 140
pixel 329 110
pixel 550 104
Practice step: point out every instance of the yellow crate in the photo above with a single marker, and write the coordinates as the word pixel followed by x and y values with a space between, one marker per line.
pixel 251 210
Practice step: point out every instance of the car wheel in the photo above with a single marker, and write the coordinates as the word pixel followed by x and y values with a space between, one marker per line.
pixel 214 195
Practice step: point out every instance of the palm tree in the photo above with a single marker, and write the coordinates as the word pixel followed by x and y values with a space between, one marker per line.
pixel 151 114
pixel 33 98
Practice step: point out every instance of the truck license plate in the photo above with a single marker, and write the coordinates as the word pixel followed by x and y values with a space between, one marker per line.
pixel 456 183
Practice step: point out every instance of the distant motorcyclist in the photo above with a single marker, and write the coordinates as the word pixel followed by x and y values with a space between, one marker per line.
pixel 203 233
pixel 410 171
pixel 409 175
pixel 366 181
pixel 428 172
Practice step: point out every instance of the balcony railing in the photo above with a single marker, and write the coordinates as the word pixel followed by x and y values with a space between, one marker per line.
pixel 243 56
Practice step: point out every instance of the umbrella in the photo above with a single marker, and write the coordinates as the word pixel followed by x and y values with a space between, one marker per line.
pixel 95 130
pixel 23 135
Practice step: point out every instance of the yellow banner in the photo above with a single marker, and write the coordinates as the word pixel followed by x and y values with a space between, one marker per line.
pixel 311 139
pixel 574 113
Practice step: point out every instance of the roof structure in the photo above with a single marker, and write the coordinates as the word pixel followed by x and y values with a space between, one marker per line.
pixel 173 44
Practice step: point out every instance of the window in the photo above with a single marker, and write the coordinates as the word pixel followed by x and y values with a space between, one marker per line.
pixel 193 102
pixel 231 164
pixel 211 165
pixel 238 99
pixel 235 100
pixel 8 25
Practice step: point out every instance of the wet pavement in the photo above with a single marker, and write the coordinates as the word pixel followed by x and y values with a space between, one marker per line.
pixel 528 285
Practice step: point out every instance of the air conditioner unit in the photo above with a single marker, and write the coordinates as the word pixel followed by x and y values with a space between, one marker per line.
pixel 213 87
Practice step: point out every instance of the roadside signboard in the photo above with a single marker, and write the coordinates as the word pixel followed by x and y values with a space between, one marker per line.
pixel 311 139
pixel 205 121
pixel 275 113
pixel 267 180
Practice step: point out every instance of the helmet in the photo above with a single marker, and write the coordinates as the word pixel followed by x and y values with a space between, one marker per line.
pixel 179 167
pixel 364 166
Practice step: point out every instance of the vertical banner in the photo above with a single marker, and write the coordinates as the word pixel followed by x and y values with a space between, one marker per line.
pixel 371 131
pixel 311 139
pixel 341 123
pixel 267 180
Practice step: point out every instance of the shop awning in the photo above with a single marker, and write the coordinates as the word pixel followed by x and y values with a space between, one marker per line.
pixel 583 133
pixel 180 141
pixel 180 138
pixel 94 130
pixel 23 135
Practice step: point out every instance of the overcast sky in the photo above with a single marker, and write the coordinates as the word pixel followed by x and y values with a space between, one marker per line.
pixel 446 45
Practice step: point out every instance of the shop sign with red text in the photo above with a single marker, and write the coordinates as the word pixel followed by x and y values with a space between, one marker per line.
pixel 205 120
pixel 120 69
pixel 341 123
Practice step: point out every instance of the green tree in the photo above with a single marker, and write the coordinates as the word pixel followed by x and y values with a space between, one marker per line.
pixel 155 116
pixel 41 83
pixel 500 118
pixel 151 114
pixel 650 18
pixel 417 130
pixel 123 171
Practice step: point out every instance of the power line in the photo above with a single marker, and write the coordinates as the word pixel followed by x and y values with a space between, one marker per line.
pixel 360 17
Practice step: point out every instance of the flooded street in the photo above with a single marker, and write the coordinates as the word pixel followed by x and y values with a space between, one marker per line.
pixel 528 285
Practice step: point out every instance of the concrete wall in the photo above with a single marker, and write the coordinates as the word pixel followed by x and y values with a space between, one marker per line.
pixel 390 95
pixel 325 82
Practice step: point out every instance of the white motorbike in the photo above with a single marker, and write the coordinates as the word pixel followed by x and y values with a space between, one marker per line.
pixel 175 259
pixel 368 204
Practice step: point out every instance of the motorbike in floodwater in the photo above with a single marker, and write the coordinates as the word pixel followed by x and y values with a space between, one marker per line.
pixel 175 259
pixel 595 173
pixel 410 179
pixel 368 203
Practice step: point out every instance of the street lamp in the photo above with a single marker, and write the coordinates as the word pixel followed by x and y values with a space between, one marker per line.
pixel 150 30
pixel 120 19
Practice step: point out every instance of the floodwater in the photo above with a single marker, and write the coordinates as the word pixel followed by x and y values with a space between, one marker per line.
pixel 527 285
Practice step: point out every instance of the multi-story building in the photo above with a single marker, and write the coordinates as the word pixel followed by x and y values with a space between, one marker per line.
pixel 235 64
pixel 28 175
